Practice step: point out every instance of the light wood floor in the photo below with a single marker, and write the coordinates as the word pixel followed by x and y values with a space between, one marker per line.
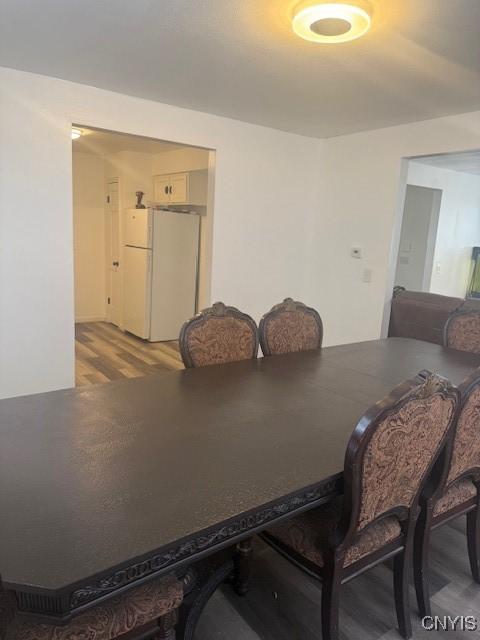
pixel 284 603
pixel 104 353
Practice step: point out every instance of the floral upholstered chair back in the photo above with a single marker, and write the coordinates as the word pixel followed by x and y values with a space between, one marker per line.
pixel 290 326
pixel 462 331
pixel 218 335
pixel 393 449
pixel 465 462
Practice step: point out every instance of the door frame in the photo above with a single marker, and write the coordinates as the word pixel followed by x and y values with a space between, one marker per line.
pixel 108 247
pixel 207 221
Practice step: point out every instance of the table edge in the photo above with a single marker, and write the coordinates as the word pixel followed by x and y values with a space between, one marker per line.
pixel 60 605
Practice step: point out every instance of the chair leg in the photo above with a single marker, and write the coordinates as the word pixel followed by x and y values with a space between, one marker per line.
pixel 166 626
pixel 401 580
pixel 420 563
pixel 242 566
pixel 330 604
pixel 473 538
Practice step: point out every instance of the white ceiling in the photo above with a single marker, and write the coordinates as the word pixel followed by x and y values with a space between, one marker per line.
pixel 241 59
pixel 104 142
pixel 466 162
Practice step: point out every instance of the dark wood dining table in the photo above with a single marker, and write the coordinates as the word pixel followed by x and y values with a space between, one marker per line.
pixel 104 487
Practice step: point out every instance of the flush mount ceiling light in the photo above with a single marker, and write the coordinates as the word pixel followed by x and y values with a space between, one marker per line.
pixel 332 22
pixel 76 133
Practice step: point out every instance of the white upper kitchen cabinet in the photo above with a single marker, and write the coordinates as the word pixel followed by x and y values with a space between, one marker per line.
pixel 181 188
pixel 178 190
pixel 161 187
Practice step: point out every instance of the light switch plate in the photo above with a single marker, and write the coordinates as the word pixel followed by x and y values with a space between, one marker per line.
pixel 367 275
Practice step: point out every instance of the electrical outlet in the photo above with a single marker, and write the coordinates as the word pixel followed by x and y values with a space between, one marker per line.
pixel 356 252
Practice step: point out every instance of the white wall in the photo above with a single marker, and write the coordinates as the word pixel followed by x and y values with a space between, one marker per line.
pixel 361 201
pixel 265 203
pixel 134 170
pixel 186 159
pixel 89 236
pixel 458 225
pixel 287 211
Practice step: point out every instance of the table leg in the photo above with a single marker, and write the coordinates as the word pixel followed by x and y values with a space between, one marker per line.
pixel 242 566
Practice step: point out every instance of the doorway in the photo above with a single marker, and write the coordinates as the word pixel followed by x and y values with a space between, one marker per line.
pixel 436 243
pixel 131 194
pixel 439 225
pixel 418 238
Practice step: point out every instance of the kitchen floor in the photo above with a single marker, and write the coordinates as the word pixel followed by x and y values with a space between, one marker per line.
pixel 104 353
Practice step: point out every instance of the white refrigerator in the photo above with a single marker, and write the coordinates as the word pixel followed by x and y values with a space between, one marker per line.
pixel 160 275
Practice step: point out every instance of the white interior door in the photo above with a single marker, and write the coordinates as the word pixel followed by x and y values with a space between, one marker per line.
pixel 114 299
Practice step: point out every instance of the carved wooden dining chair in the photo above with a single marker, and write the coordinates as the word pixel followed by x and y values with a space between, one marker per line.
pixel 390 454
pixel 218 335
pixel 457 494
pixel 462 331
pixel 147 611
pixel 290 326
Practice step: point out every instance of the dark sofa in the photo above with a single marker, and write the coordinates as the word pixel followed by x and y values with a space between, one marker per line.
pixel 423 315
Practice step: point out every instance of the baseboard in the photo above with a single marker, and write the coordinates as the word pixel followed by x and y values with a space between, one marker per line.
pixel 90 319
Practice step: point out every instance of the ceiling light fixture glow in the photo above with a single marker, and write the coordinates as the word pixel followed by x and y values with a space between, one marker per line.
pixel 332 22
pixel 76 133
